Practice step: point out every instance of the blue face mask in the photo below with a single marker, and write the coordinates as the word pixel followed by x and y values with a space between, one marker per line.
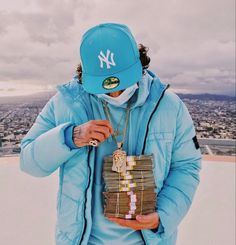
pixel 122 98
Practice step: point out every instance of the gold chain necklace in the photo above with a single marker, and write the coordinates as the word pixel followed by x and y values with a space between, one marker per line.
pixel 119 156
pixel 116 132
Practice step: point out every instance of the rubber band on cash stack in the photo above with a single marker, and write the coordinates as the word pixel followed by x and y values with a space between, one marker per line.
pixel 131 192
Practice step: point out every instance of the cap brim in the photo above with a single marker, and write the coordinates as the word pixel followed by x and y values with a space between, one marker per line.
pixel 128 77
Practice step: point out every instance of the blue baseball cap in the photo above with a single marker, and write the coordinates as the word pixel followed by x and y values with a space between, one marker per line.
pixel 109 58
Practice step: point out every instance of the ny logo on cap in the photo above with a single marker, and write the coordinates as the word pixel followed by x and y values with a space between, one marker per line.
pixel 105 59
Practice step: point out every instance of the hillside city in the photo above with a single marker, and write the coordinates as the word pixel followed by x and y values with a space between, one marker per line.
pixel 213 119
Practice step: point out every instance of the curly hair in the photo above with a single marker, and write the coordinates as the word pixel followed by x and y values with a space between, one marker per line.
pixel 144 58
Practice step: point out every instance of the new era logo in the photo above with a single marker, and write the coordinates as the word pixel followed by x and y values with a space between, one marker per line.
pixel 105 59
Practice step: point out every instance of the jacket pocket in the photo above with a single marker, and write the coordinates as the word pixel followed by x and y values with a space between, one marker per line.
pixel 160 145
pixel 75 176
pixel 161 142
pixel 69 222
pixel 160 136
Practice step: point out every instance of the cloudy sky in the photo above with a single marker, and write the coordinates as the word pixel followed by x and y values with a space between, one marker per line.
pixel 192 43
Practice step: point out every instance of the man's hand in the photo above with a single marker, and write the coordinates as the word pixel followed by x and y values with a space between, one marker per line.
pixel 149 221
pixel 93 129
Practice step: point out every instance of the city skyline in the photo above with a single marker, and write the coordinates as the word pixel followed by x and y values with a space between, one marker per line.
pixel 213 117
pixel 191 44
pixel 42 90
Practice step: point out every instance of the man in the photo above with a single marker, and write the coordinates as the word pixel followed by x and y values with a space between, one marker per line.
pixel 116 104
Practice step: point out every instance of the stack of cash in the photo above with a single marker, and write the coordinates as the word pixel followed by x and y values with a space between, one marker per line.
pixel 132 192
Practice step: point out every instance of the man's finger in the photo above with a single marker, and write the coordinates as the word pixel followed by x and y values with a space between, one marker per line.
pixel 148 218
pixel 104 123
pixel 102 129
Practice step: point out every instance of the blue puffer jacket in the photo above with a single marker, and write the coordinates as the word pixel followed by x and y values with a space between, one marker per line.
pixel 162 126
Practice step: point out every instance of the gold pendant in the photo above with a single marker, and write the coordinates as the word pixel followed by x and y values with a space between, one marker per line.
pixel 119 161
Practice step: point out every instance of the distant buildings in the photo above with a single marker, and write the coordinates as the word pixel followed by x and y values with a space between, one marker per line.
pixel 15 121
pixel 213 119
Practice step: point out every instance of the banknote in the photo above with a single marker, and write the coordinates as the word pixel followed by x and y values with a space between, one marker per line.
pixel 146 193
pixel 132 186
pixel 127 175
pixel 144 167
pixel 131 158
pixel 127 215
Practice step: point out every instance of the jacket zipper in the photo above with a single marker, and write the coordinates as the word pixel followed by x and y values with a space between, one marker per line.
pixel 85 202
pixel 129 144
pixel 163 92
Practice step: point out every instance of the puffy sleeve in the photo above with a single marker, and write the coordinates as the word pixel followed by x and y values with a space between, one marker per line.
pixel 43 149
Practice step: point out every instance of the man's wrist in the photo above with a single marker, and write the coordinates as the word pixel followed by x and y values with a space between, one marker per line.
pixel 68 133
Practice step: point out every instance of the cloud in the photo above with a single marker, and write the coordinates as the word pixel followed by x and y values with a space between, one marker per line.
pixel 209 67
pixel 192 43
